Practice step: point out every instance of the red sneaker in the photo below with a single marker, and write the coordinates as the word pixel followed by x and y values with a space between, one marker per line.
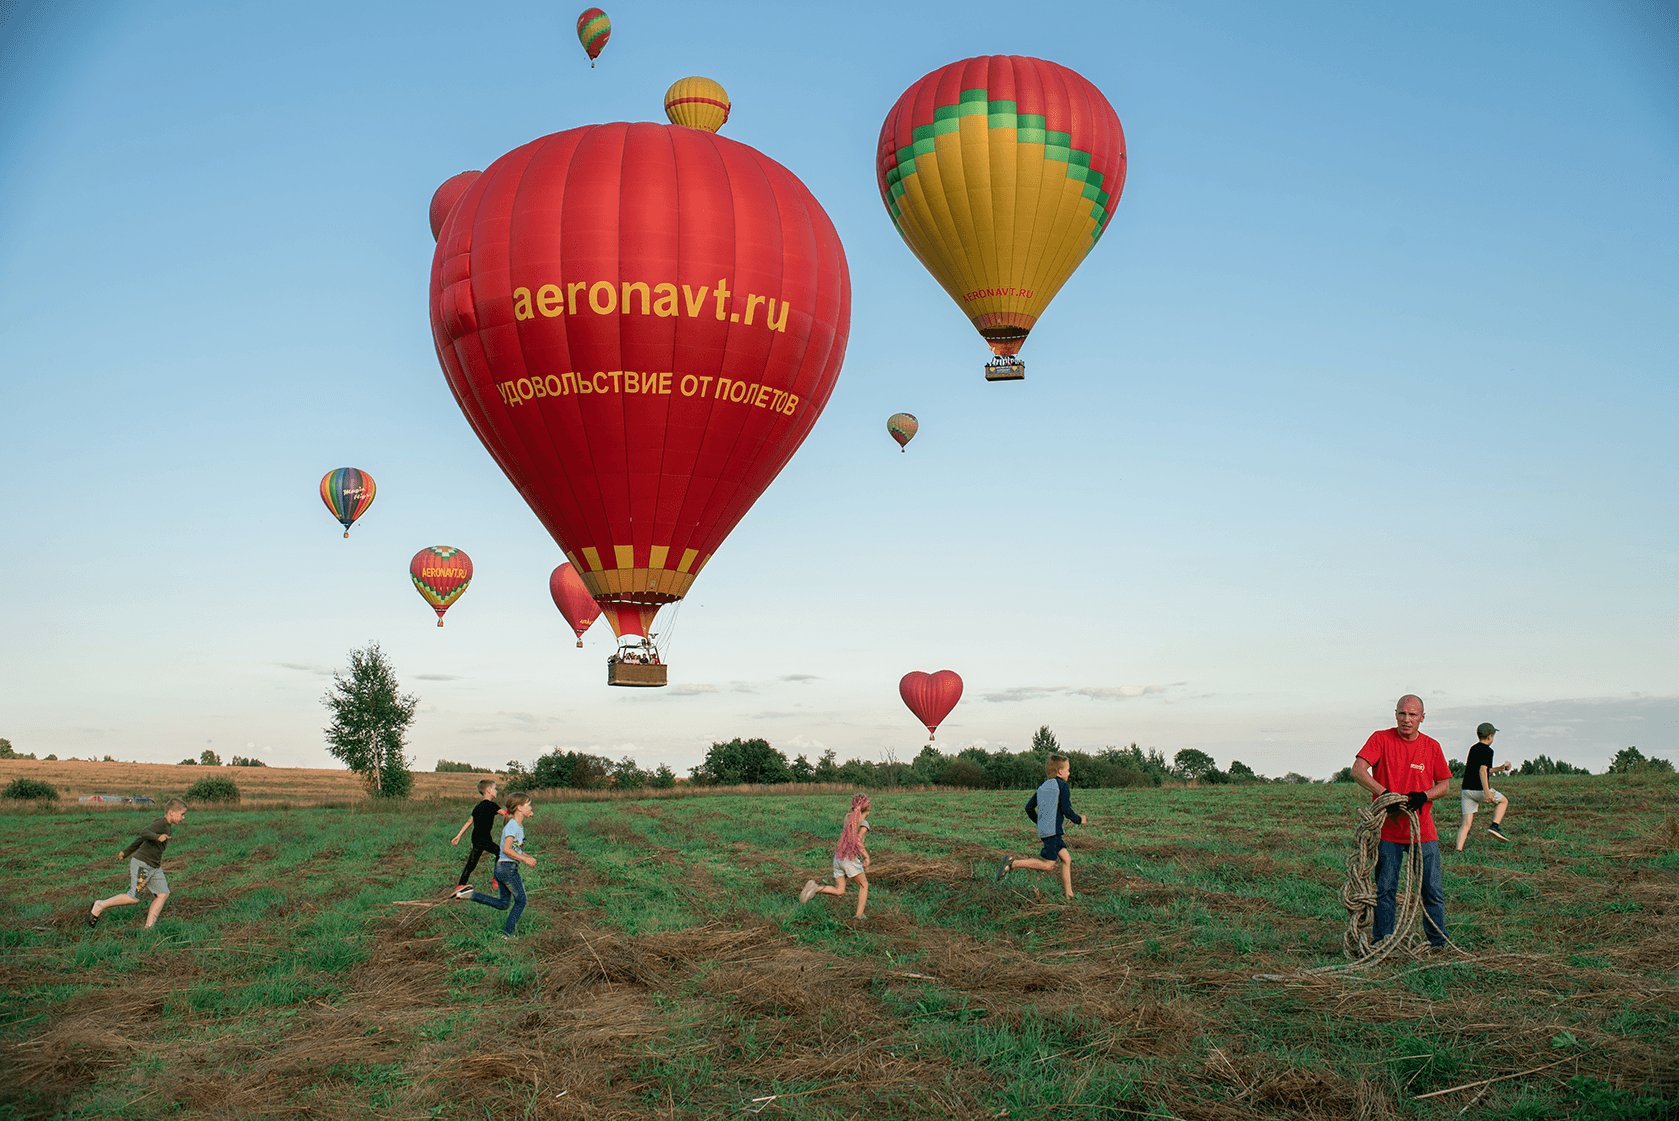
pixel 493 885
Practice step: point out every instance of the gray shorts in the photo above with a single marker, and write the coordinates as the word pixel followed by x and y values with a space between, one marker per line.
pixel 1473 800
pixel 143 877
pixel 847 867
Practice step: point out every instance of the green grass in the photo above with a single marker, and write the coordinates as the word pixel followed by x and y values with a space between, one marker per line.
pixel 664 966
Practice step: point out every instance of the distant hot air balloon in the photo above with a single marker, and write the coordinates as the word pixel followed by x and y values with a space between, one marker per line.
pixel 697 103
pixel 593 30
pixel 641 361
pixel 931 696
pixel 348 493
pixel 903 427
pixel 441 573
pixel 445 197
pixel 1001 173
pixel 573 600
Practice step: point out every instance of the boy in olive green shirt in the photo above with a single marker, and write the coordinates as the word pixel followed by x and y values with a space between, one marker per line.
pixel 145 866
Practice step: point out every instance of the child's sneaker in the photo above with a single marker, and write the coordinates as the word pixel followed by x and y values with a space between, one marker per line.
pixel 493 885
pixel 808 892
pixel 1497 832
pixel 463 892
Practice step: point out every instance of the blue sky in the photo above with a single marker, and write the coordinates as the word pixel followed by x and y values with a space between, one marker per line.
pixel 1368 389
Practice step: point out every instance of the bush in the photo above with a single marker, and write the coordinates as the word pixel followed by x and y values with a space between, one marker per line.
pixel 559 769
pixel 627 776
pixel 1241 772
pixel 30 790
pixel 743 761
pixel 462 768
pixel 242 761
pixel 960 772
pixel 1193 764
pixel 8 752
pixel 663 777
pixel 1216 777
pixel 1345 774
pixel 214 788
pixel 209 758
pixel 187 763
pixel 1630 760
pixel 1456 767
pixel 1544 766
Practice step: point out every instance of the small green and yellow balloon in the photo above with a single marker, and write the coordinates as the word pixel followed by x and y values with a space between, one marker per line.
pixel 593 30
pixel 903 427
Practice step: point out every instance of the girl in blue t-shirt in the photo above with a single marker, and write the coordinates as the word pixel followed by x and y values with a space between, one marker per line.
pixel 519 810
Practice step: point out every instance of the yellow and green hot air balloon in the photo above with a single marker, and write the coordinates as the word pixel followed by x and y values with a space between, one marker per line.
pixel 1001 173
pixel 593 30
pixel 697 103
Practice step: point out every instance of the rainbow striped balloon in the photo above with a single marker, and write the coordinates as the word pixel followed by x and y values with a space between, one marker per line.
pixel 441 573
pixel 697 103
pixel 348 493
pixel 593 30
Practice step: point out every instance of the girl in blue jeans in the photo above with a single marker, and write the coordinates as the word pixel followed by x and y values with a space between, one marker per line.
pixel 512 855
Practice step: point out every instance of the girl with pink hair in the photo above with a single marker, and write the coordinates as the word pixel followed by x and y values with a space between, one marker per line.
pixel 850 858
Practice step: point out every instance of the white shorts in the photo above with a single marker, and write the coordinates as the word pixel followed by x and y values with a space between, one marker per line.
pixel 1473 800
pixel 847 867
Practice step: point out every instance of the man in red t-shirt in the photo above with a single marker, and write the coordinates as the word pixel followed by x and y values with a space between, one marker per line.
pixel 1403 760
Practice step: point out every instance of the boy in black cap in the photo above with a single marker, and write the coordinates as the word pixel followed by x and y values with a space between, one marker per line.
pixel 1477 788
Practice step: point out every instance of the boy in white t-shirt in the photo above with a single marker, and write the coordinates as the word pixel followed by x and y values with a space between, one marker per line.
pixel 519 810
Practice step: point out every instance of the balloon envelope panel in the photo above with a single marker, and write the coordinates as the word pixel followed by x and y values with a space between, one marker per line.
pixel 642 323
pixel 1001 173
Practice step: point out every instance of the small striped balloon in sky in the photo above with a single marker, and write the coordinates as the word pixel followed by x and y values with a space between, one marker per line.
pixel 348 493
pixel 593 30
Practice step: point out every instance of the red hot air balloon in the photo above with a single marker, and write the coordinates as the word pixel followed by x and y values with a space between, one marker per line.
pixel 641 322
pixel 931 696
pixel 441 573
pixel 573 600
pixel 445 197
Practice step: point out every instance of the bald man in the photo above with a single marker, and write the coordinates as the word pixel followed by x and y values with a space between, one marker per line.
pixel 1403 760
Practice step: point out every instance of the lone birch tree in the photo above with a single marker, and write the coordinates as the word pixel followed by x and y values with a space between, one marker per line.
pixel 370 720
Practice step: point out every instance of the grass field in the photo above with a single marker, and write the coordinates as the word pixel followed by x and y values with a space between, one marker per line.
pixel 665 969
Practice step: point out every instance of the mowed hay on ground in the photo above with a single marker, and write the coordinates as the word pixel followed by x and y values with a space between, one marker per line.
pixel 666 969
pixel 296 785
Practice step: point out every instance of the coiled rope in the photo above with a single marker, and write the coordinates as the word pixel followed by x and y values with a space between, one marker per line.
pixel 1358 894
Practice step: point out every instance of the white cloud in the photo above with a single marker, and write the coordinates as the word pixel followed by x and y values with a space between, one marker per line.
pixel 1094 692
pixel 690 689
pixel 437 677
pixel 800 677
pixel 305 667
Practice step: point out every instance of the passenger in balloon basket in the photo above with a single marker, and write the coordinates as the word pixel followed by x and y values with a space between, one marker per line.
pixel 851 858
pixel 1055 792
pixel 1403 760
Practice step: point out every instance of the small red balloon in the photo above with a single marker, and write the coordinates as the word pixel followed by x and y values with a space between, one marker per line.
pixel 931 696
pixel 446 196
pixel 573 600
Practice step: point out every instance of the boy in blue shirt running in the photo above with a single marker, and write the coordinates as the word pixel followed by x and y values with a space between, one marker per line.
pixel 1051 804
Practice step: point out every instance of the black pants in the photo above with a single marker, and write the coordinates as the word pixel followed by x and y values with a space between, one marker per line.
pixel 478 850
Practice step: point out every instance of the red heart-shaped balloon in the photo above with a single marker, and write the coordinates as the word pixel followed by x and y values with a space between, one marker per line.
pixel 931 696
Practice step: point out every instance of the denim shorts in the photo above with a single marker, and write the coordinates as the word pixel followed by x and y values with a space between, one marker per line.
pixel 143 877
